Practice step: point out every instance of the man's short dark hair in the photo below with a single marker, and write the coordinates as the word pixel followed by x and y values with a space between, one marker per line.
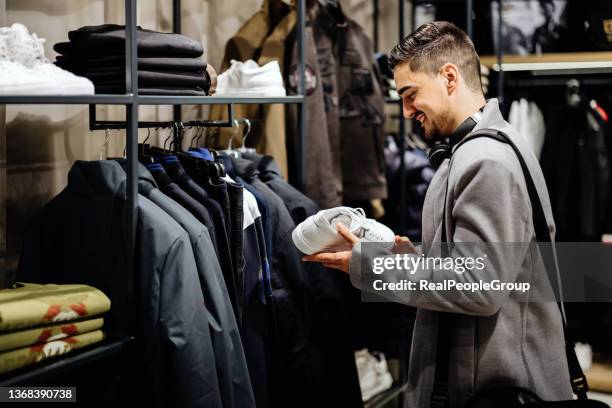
pixel 435 44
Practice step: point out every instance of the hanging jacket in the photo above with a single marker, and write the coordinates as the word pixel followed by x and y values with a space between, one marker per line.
pixel 361 111
pixel 299 377
pixel 234 382
pixel 329 296
pixel 575 164
pixel 322 182
pixel 419 173
pixel 84 224
pixel 344 110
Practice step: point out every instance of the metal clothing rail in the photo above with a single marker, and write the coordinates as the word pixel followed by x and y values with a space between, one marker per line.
pixel 95 124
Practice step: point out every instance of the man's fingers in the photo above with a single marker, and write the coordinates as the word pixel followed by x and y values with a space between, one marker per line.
pixel 347 235
pixel 321 257
pixel 399 240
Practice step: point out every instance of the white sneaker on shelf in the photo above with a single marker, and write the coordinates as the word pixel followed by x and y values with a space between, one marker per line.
pixel 365 370
pixel 26 70
pixel 373 372
pixel 318 232
pixel 15 79
pixel 249 79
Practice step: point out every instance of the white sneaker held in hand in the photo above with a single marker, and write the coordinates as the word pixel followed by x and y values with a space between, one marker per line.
pixel 318 233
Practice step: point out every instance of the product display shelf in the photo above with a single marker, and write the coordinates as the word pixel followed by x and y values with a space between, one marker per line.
pixel 599 375
pixel 131 100
pixel 380 400
pixel 100 99
pixel 577 61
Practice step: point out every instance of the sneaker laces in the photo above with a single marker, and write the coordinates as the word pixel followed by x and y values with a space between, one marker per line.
pixel 22 47
pixel 367 226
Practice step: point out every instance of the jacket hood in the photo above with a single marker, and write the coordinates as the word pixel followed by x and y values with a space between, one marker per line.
pixel 101 177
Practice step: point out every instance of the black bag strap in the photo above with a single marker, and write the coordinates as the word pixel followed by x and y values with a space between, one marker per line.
pixel 439 396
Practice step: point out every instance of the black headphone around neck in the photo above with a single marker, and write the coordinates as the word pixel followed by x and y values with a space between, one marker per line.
pixel 442 151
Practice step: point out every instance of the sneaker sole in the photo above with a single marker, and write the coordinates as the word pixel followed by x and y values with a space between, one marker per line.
pixel 273 92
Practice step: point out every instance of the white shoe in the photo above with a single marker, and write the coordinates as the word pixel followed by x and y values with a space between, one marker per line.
pixel 374 376
pixel 26 70
pixel 318 232
pixel 15 79
pixel 249 79
pixel 365 370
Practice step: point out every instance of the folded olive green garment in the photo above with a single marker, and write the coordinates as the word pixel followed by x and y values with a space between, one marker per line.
pixel 45 334
pixel 12 360
pixel 29 304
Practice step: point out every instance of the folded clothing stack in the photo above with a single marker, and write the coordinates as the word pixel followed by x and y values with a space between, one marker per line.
pixel 168 64
pixel 41 321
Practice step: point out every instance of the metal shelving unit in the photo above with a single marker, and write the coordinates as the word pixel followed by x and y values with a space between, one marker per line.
pixel 132 100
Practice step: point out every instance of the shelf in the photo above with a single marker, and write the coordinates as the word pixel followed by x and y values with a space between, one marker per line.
pixel 599 376
pixel 592 61
pixel 386 396
pixel 51 368
pixel 66 99
pixel 142 100
pixel 215 100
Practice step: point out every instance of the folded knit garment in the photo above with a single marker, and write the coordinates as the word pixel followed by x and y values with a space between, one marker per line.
pixel 12 360
pixel 29 304
pixel 45 334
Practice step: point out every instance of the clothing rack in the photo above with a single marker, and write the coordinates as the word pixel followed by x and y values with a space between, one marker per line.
pixel 132 101
pixel 95 124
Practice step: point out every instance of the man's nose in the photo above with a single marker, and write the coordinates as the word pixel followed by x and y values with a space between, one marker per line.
pixel 409 110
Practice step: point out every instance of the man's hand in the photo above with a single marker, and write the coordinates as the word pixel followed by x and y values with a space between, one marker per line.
pixel 337 260
pixel 403 245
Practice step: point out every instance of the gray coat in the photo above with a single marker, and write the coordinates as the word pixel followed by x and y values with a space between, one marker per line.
pixel 496 340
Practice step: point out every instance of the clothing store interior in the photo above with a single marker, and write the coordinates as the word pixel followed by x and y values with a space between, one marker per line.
pixel 149 206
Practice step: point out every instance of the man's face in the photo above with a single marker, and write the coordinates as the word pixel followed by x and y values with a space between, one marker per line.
pixel 425 97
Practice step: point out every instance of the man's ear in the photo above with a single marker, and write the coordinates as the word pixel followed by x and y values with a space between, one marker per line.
pixel 450 74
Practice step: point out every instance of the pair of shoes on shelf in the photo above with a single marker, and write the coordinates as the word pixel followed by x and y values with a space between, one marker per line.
pixel 24 69
pixel 249 79
pixel 374 376
pixel 318 232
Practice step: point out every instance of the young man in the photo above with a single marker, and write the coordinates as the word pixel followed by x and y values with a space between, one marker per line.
pixel 495 340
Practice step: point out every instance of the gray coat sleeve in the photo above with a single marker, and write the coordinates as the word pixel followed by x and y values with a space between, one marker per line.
pixel 490 210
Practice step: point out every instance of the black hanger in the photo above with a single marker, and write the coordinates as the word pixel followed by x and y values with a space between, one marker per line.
pixel 144 150
pixel 163 151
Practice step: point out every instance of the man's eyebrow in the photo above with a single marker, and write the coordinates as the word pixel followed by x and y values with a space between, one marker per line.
pixel 404 89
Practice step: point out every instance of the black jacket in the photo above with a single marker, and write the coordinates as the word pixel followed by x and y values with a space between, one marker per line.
pixel 234 382
pixel 83 225
pixel 331 299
